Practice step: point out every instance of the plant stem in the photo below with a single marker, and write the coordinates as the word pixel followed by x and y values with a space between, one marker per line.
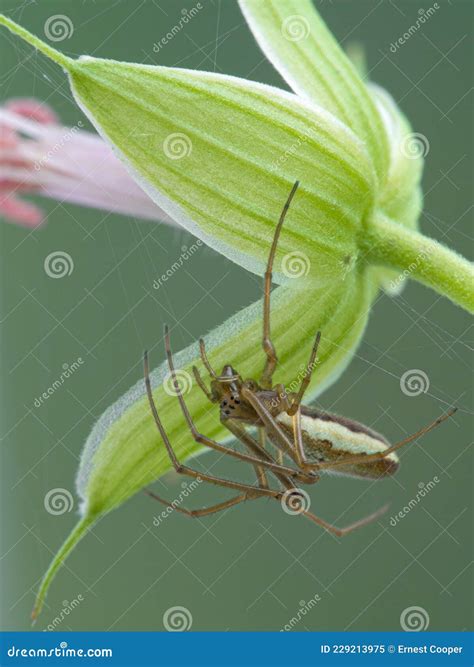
pixel 77 533
pixel 416 256
pixel 45 48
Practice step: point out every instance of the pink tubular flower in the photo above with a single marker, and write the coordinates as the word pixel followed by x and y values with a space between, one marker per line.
pixel 40 156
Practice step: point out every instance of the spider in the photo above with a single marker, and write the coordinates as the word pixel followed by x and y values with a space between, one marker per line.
pixel 314 441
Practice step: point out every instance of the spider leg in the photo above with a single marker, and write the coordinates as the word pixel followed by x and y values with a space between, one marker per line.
pixel 251 491
pixel 282 396
pixel 359 458
pixel 209 442
pixel 268 347
pixel 205 360
pixel 212 509
pixel 340 532
pixel 288 479
pixel 307 378
pixel 285 403
pixel 270 423
pixel 236 432
pixel 297 451
pixel 278 455
pixel 202 386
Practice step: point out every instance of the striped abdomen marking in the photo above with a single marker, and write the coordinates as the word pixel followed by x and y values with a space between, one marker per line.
pixel 328 437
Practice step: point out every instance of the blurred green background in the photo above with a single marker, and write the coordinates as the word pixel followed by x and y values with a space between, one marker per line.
pixel 252 568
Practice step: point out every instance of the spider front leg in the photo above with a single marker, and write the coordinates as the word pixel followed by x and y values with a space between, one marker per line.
pixel 250 491
pixel 268 347
pixel 209 442
pixel 209 395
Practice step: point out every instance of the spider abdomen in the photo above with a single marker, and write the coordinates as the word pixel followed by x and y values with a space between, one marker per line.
pixel 330 438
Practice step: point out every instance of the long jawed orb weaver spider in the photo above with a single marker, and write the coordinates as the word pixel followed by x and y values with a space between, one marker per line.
pixel 315 441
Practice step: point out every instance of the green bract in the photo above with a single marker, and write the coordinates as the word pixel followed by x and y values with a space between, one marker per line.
pixel 219 155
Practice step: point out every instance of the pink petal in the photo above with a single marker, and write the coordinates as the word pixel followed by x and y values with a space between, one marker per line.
pixel 31 108
pixel 20 211
pixel 63 163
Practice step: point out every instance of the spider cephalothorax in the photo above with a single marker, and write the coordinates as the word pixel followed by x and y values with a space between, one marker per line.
pixel 228 391
pixel 231 392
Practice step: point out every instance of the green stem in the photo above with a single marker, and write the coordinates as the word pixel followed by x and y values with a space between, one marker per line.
pixel 416 256
pixel 77 533
pixel 45 48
